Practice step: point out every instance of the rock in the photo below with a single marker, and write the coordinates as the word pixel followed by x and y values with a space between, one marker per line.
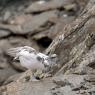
pixel 41 88
pixel 4 33
pixel 74 44
pixel 6 73
pixel 72 84
pixel 63 91
pixel 13 7
pixel 71 80
pixel 3 2
pixel 6 16
pixel 4 45
pixel 59 26
pixel 12 78
pixel 50 5
pixel 91 78
pixel 3 62
pixel 10 43
pixel 31 24
pixel 19 41
pixel 87 64
pixel 67 84
pixel 83 44
pixel 19 20
pixel 92 90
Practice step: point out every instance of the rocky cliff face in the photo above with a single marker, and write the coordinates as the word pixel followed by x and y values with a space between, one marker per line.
pixel 41 25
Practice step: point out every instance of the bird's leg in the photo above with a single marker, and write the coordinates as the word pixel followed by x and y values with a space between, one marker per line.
pixel 39 74
pixel 33 77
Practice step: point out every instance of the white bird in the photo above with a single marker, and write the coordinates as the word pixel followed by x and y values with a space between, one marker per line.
pixel 31 59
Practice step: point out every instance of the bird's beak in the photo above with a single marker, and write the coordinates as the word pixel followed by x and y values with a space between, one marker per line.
pixel 53 56
pixel 16 58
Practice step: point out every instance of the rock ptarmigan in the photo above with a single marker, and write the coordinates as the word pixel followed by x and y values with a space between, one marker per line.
pixel 32 59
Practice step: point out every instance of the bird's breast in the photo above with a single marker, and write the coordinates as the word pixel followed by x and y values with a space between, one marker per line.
pixel 31 62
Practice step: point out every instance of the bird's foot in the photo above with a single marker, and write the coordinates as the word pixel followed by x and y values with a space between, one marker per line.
pixel 39 74
pixel 33 78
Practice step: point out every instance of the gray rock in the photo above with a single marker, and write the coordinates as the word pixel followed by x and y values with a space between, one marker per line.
pixel 74 85
pixel 6 73
pixel 6 16
pixel 17 66
pixel 29 88
pixel 71 80
pixel 19 41
pixel 30 24
pixel 4 45
pixel 63 91
pixel 12 78
pixel 4 33
pixel 3 62
pixel 53 4
pixel 38 22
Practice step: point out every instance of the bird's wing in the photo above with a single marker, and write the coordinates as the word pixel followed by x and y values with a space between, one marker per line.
pixel 14 51
pixel 29 49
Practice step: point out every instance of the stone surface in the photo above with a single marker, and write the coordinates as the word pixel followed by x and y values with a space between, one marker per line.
pixel 28 86
pixel 30 24
pixel 35 23
pixel 49 5
pixel 4 33
pixel 5 74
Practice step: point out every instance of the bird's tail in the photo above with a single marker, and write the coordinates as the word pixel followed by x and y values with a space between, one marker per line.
pixel 13 51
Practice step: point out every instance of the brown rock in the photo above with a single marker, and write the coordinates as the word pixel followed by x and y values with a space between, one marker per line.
pixel 53 4
pixel 4 33
pixel 6 73
pixel 30 24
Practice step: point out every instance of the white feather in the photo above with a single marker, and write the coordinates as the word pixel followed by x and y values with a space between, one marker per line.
pixel 28 58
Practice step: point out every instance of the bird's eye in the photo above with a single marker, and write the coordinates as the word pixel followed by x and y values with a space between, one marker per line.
pixel 30 51
pixel 39 58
